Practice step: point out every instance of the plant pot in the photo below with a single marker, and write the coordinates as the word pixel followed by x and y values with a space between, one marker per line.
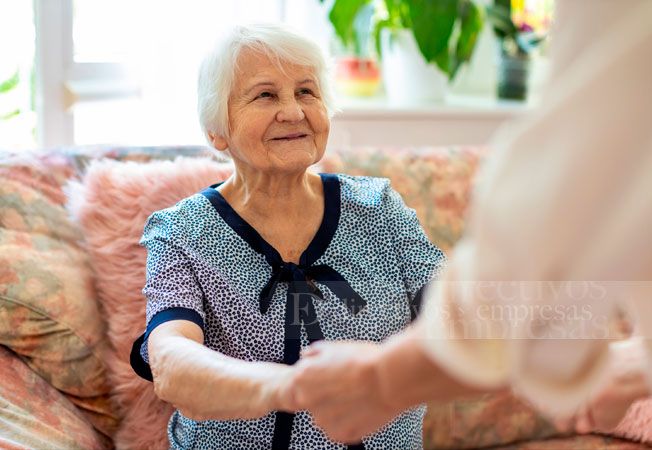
pixel 408 79
pixel 357 77
pixel 513 76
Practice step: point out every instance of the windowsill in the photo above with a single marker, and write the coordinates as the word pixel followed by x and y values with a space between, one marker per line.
pixel 459 120
pixel 453 107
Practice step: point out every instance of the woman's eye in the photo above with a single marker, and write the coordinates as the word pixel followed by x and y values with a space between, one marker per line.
pixel 305 91
pixel 265 95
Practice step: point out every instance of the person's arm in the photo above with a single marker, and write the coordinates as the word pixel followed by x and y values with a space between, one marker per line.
pixel 354 388
pixel 204 384
pixel 561 199
pixel 558 224
pixel 403 362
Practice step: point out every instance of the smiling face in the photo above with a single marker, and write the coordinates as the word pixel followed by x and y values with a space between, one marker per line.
pixel 277 119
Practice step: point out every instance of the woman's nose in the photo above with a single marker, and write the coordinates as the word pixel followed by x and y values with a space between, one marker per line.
pixel 290 111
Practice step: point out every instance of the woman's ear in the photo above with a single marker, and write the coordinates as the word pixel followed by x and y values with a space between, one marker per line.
pixel 218 141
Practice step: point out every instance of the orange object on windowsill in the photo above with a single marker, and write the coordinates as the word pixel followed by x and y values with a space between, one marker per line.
pixel 357 77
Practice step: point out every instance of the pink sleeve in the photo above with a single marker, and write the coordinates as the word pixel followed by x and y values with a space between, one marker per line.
pixel 566 196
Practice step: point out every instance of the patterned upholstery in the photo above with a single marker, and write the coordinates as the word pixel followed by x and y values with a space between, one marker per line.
pixel 48 310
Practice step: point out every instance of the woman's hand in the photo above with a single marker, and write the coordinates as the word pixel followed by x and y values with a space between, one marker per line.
pixel 609 406
pixel 338 382
pixel 354 388
pixel 626 383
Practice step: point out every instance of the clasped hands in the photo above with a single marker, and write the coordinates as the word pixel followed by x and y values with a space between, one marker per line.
pixel 346 388
pixel 352 389
pixel 341 384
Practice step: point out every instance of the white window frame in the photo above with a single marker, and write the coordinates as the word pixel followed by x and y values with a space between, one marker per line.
pixel 61 82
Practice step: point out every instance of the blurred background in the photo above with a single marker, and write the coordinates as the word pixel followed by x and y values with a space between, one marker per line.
pixel 438 72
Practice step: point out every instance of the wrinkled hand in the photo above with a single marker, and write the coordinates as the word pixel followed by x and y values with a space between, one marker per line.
pixel 608 405
pixel 626 383
pixel 339 383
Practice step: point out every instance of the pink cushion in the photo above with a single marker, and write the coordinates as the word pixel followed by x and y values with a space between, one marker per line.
pixel 111 205
pixel 637 424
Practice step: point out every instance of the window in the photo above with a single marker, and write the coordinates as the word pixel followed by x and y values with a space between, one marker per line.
pixel 17 116
pixel 124 72
pixel 128 69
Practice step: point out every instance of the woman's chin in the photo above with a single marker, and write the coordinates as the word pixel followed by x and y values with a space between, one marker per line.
pixel 295 160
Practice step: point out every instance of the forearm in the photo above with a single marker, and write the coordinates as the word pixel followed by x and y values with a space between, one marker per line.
pixel 205 384
pixel 408 376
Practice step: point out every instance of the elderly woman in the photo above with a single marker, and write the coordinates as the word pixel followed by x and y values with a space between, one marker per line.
pixel 246 273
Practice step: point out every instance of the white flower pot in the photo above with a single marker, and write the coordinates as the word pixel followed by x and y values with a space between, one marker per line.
pixel 408 79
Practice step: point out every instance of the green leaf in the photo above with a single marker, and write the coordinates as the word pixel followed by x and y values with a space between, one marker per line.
pixel 10 115
pixel 432 25
pixel 443 61
pixel 404 13
pixel 500 17
pixel 471 20
pixel 378 28
pixel 342 16
pixel 398 13
pixel 10 83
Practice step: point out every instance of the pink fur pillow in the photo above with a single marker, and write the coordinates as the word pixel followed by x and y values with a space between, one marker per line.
pixel 111 205
pixel 637 424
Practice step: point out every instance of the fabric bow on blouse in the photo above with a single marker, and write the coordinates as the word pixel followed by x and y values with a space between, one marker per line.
pixel 300 309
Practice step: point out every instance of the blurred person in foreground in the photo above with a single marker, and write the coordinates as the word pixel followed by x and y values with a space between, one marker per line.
pixel 565 201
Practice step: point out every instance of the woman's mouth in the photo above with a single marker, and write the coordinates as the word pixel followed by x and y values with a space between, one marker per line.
pixel 290 137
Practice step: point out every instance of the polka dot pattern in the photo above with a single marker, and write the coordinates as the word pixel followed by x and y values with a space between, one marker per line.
pixel 197 261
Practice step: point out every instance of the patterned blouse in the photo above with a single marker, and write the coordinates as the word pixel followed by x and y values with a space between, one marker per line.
pixel 360 278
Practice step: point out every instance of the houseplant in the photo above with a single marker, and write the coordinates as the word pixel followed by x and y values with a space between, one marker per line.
pixel 443 31
pixel 357 72
pixel 518 39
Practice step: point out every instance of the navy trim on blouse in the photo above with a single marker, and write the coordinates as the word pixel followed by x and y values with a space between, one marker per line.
pixel 300 292
pixel 415 303
pixel 136 359
pixel 320 241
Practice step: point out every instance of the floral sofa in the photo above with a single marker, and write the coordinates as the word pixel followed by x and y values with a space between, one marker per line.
pixel 64 333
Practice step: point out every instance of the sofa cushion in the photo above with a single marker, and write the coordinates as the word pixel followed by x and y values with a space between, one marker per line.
pixel 483 421
pixel 435 181
pixel 35 415
pixel 583 442
pixel 48 311
pixel 111 206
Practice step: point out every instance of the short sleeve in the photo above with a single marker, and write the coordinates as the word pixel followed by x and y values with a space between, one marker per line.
pixel 420 260
pixel 170 278
pixel 171 287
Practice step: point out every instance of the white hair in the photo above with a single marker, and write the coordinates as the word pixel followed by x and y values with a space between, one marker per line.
pixel 217 70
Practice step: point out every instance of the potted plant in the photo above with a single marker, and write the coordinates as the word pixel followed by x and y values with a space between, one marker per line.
pixel 422 43
pixel 357 72
pixel 518 39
